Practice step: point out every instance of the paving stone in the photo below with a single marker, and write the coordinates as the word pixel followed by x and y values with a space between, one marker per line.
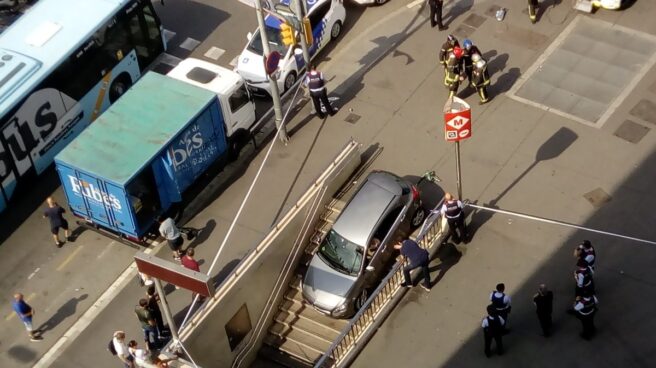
pixel 474 20
pixel 631 132
pixel 597 197
pixel 463 31
pixel 645 110
pixel 352 118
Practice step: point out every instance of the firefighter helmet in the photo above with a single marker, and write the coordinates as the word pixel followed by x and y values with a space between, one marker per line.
pixel 457 51
pixel 451 39
pixel 476 57
pixel 467 44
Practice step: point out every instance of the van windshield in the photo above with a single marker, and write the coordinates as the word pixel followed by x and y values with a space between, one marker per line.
pixel 341 254
pixel 275 42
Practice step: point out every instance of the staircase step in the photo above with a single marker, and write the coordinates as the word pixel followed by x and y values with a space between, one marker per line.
pixel 271 357
pixel 293 348
pixel 294 294
pixel 306 338
pixel 306 311
pixel 307 325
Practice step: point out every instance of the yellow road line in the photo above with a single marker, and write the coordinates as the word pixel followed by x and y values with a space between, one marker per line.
pixel 13 314
pixel 68 259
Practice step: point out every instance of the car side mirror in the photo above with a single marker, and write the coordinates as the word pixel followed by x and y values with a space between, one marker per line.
pixel 370 268
pixel 249 35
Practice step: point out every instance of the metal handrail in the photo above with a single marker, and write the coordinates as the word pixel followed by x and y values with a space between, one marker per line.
pixel 364 319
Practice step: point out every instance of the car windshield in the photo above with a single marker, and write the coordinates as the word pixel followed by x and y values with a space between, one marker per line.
pixel 341 254
pixel 275 43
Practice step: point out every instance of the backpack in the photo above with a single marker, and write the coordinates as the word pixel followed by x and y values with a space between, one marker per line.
pixel 110 347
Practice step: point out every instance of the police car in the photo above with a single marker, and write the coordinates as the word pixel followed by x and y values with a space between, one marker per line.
pixel 326 18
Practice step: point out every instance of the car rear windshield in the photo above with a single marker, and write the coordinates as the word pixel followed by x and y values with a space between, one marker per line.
pixel 275 43
pixel 341 254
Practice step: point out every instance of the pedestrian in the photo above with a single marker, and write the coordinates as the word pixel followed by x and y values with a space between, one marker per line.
pixel 55 214
pixel 493 327
pixel 148 324
pixel 480 78
pixel 533 10
pixel 121 349
pixel 501 302
pixel 25 312
pixel 317 86
pixel 452 210
pixel 469 50
pixel 586 252
pixel 172 234
pixel 436 14
pixel 447 48
pixel 453 73
pixel 417 257
pixel 153 306
pixel 543 301
pixel 583 278
pixel 141 356
pixel 189 262
pixel 586 308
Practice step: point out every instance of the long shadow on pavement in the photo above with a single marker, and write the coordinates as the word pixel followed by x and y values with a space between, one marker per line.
pixel 66 310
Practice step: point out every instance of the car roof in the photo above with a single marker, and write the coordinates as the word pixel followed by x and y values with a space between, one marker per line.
pixel 367 207
pixel 274 22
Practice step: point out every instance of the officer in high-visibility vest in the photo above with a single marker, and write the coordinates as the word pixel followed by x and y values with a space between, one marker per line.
pixel 480 78
pixel 493 327
pixel 447 48
pixel 501 301
pixel 533 10
pixel 586 251
pixel 453 73
pixel 317 86
pixel 583 278
pixel 452 210
pixel 586 308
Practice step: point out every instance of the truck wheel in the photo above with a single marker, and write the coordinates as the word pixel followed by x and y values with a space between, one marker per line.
pixel 119 86
pixel 290 79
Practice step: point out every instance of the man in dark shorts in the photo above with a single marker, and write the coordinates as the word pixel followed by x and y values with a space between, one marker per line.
pixel 55 214
pixel 171 233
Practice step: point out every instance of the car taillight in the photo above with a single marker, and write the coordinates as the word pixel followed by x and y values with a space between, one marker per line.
pixel 415 193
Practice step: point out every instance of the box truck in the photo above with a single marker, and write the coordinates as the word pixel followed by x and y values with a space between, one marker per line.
pixel 139 157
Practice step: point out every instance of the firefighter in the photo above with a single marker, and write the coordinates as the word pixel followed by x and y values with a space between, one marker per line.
pixel 447 47
pixel 453 72
pixel 469 49
pixel 480 79
pixel 533 10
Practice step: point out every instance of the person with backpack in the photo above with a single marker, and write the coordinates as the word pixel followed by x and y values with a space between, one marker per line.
pixel 118 347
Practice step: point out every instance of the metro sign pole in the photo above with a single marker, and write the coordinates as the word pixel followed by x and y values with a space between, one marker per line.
pixel 457 126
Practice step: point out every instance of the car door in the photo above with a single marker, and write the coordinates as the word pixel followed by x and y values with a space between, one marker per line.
pixel 319 17
pixel 242 111
pixel 385 232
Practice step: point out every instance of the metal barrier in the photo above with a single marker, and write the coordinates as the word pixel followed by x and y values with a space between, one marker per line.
pixel 381 302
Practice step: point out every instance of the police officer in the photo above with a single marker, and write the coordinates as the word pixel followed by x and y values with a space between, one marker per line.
pixel 452 210
pixel 500 301
pixel 436 14
pixel 533 10
pixel 468 50
pixel 493 326
pixel 586 252
pixel 447 48
pixel 480 78
pixel 586 308
pixel 583 278
pixel 317 86
pixel 453 73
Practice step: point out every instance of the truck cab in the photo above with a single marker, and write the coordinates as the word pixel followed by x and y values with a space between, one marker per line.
pixel 236 102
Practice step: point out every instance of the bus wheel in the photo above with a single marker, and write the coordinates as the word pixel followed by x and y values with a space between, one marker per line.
pixel 119 86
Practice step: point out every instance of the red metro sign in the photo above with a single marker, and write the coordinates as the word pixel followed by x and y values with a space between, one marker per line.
pixel 457 120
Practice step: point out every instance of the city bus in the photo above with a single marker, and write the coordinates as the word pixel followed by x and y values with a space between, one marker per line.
pixel 61 65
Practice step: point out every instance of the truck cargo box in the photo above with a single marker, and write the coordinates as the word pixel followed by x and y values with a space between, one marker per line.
pixel 140 155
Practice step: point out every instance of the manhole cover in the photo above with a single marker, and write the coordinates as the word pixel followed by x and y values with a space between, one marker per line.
pixel 352 118
pixel 645 110
pixel 597 197
pixel 631 132
pixel 474 20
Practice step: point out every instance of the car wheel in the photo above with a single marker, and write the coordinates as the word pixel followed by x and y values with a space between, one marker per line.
pixel 380 2
pixel 336 31
pixel 359 302
pixel 418 217
pixel 290 79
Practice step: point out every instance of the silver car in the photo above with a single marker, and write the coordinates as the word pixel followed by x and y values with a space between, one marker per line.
pixel 354 254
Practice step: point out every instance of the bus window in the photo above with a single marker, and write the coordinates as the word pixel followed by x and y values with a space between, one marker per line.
pixel 145 35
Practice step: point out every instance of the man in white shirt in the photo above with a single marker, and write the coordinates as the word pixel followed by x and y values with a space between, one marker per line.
pixel 171 233
pixel 122 349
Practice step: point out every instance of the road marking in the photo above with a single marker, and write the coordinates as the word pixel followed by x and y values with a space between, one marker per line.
pixel 414 3
pixel 13 314
pixel 69 258
pixel 107 249
pixel 34 273
pixel 169 59
pixel 90 314
pixel 189 44
pixel 214 53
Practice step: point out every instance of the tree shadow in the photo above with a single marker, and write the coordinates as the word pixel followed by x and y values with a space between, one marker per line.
pixel 65 311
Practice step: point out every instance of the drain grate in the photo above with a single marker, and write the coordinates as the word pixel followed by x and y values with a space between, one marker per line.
pixel 597 197
pixel 631 132
pixel 645 110
pixel 352 118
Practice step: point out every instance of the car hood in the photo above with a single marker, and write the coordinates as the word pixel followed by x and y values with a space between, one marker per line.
pixel 325 287
pixel 251 67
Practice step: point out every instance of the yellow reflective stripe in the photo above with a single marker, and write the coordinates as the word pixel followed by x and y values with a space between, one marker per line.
pixel 101 96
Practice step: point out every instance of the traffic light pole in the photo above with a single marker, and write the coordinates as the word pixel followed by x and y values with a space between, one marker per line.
pixel 273 81
pixel 300 13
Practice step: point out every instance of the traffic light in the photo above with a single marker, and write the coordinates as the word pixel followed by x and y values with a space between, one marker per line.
pixel 287 34
pixel 307 31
